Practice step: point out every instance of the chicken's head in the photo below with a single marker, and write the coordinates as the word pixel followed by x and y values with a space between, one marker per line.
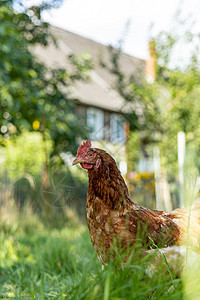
pixel 87 157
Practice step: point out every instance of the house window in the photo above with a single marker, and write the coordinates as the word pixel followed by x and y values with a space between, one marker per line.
pixel 117 134
pixel 95 120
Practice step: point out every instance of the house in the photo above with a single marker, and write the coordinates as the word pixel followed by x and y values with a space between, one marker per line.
pixel 97 102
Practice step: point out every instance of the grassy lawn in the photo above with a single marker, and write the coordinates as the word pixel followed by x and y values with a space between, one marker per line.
pixel 37 262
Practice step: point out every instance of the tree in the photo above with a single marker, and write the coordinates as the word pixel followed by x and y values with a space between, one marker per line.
pixel 168 105
pixel 32 96
pixel 180 94
pixel 145 119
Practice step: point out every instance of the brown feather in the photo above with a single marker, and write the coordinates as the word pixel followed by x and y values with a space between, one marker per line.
pixel 113 216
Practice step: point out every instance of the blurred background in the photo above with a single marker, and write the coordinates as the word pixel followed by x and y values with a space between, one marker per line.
pixel 124 74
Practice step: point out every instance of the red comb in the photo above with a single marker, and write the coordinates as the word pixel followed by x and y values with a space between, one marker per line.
pixel 86 145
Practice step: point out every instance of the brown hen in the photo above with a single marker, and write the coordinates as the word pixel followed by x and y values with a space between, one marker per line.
pixel 113 216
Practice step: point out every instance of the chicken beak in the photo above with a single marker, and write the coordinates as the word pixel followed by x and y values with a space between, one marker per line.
pixel 77 161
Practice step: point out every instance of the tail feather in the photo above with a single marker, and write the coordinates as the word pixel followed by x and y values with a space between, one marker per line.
pixel 188 221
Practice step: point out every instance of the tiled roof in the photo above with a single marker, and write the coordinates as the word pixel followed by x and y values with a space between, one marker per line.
pixel 99 91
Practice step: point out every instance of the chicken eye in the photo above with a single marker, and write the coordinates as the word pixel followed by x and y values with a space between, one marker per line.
pixel 90 155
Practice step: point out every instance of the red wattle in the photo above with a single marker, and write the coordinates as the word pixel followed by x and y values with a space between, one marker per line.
pixel 86 166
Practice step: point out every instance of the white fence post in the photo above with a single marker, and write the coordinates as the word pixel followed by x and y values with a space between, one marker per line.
pixel 181 163
pixel 157 172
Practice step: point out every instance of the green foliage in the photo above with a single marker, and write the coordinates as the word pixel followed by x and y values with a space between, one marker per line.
pixel 180 89
pixel 133 150
pixel 168 105
pixel 32 96
pixel 146 118
pixel 19 154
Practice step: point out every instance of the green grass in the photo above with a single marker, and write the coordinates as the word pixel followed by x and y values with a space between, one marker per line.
pixel 39 262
